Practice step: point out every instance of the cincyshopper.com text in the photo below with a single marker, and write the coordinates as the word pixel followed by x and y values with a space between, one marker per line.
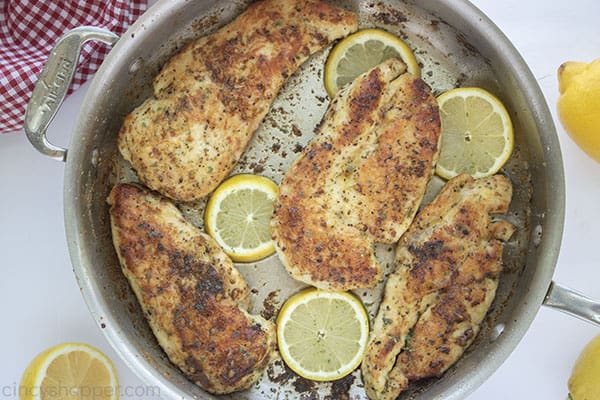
pixel 15 391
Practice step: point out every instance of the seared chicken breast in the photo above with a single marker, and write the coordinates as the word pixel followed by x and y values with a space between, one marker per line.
pixel 211 97
pixel 192 295
pixel 359 181
pixel 448 265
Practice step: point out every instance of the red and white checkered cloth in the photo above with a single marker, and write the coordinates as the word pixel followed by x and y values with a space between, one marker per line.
pixel 28 31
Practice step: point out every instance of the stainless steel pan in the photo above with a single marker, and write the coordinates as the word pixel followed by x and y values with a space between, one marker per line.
pixel 455 44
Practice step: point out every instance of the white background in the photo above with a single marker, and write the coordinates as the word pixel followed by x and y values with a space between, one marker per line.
pixel 41 305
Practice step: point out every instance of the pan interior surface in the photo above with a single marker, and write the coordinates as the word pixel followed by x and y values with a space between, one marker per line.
pixel 454 44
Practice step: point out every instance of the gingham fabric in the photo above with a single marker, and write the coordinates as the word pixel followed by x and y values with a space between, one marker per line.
pixel 28 31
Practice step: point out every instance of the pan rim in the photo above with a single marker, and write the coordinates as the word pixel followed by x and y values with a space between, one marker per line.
pixel 548 250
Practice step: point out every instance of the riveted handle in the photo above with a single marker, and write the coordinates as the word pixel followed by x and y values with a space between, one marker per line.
pixel 573 303
pixel 53 85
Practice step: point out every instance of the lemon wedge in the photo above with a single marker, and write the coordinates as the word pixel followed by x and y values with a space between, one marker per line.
pixel 322 335
pixel 70 370
pixel 237 216
pixel 477 133
pixel 362 51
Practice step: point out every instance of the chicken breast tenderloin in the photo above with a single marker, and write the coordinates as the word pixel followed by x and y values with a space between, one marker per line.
pixel 192 295
pixel 447 270
pixel 211 97
pixel 359 181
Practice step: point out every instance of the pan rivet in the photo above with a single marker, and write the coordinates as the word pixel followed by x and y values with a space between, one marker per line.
pixel 95 156
pixel 496 332
pixel 136 65
pixel 537 235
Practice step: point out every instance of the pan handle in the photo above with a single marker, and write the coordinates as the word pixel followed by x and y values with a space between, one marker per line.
pixel 573 303
pixel 53 85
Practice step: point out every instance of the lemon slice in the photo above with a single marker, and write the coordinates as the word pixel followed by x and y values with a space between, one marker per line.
pixel 322 335
pixel 70 370
pixel 477 134
pixel 362 51
pixel 237 216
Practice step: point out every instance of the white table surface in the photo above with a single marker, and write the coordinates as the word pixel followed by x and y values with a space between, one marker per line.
pixel 41 305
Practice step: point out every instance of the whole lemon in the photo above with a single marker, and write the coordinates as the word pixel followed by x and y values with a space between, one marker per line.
pixel 579 104
pixel 584 383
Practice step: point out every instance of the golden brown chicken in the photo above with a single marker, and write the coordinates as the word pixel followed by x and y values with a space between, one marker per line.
pixel 359 181
pixel 211 97
pixel 191 293
pixel 448 265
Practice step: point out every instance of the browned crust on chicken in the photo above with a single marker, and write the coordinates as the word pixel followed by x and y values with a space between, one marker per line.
pixel 359 181
pixel 211 97
pixel 191 293
pixel 448 265
pixel 446 329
